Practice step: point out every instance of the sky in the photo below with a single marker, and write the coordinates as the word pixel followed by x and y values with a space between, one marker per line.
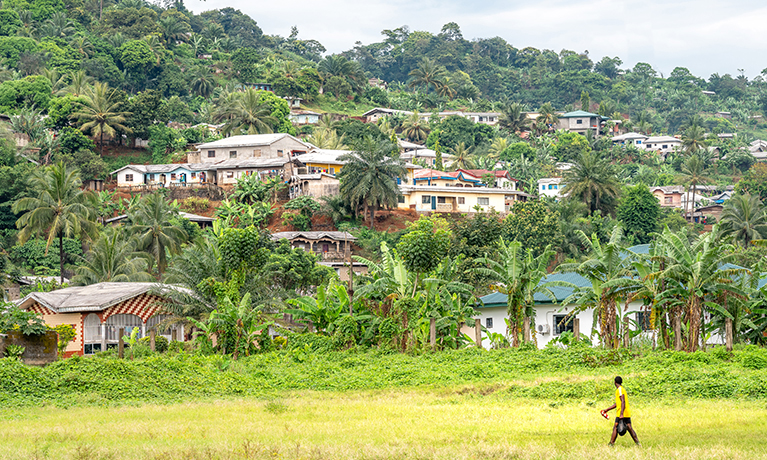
pixel 705 36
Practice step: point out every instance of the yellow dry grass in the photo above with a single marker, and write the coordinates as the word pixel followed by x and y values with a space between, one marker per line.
pixel 417 424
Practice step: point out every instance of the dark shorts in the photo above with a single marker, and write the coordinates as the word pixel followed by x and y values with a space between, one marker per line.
pixel 626 420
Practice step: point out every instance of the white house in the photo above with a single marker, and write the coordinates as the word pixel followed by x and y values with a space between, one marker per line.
pixel 635 139
pixel 662 144
pixel 550 186
pixel 304 117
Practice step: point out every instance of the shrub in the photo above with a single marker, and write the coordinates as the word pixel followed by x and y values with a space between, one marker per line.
pixel 160 343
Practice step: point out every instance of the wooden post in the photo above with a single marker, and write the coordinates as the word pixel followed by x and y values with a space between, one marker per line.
pixel 120 343
pixel 433 333
pixel 728 333
pixel 173 335
pixel 626 335
pixel 152 335
pixel 577 328
pixel 526 329
pixel 478 332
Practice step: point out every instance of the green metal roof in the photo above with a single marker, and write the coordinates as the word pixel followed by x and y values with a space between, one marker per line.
pixel 496 299
pixel 579 113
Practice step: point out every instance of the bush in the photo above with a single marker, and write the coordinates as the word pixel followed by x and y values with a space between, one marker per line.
pixel 753 357
pixel 160 343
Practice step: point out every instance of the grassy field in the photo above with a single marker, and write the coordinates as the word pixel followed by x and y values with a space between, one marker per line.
pixel 458 423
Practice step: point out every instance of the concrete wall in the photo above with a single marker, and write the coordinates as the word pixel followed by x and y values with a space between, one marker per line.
pixel 452 202
pixel 39 350
pixel 73 319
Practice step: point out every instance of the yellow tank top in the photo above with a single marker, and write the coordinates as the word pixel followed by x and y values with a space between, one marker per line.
pixel 627 411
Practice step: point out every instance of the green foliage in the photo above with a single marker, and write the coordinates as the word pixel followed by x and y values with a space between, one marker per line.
pixel 27 322
pixel 14 351
pixel 163 141
pixel 245 65
pixel 754 181
pixel 9 22
pixel 33 255
pixel 639 212
pixel 533 224
pixel 425 244
pixel 136 56
pixel 160 343
pixel 295 269
pixel 66 334
pixel 244 247
pixel 34 90
pixel 304 208
pixel 570 145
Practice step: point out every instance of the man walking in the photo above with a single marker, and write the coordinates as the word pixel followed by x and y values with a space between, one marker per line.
pixel 623 410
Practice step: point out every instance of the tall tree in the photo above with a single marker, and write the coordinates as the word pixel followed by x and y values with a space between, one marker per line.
pixel 100 113
pixel 112 258
pixel 638 212
pixel 592 180
pixel 518 274
pixel 248 111
pixel 514 118
pixel 57 208
pixel 462 157
pixel 152 222
pixel 369 177
pixel 414 128
pixel 608 271
pixel 428 74
pixel 694 139
pixel 693 173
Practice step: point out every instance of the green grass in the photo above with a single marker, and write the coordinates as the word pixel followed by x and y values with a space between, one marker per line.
pixel 450 423
pixel 310 403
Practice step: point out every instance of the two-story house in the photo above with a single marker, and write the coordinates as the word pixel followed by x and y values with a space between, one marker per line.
pixel 582 122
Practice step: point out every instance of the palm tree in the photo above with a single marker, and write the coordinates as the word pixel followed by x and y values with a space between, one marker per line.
pixel 547 118
pixel 414 128
pixel 152 221
pixel 745 219
pixel 694 139
pixel 608 271
pixel 57 208
pixel 172 29
pixel 249 112
pixel 497 147
pixel 340 66
pixel 514 118
pixel 155 44
pixel 370 174
pixel 445 88
pixel 82 45
pixel 79 82
pixel 100 113
pixel 198 44
pixel 462 158
pixel 518 274
pixel 116 40
pixel 113 258
pixel 203 82
pixel 592 180
pixel 327 139
pixel 693 173
pixel 427 74
pixel 58 26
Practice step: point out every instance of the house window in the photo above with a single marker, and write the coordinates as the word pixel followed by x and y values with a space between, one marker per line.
pixel 401 199
pixel 91 334
pixel 488 322
pixel 461 200
pixel 279 153
pixel 578 122
pixel 643 321
pixel 550 186
pixel 173 176
pixel 125 321
pixel 665 146
pixel 333 171
pixel 668 200
pixel 399 181
pixel 563 323
pixel 229 174
pixel 555 186
pixel 638 142
pixel 441 200
pixel 211 154
pixel 129 178
pixel 543 187
pixel 483 201
pixel 426 199
pixel 194 175
pixel 233 154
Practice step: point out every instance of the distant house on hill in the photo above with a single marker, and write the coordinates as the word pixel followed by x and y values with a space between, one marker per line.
pixel 255 146
pixel 582 122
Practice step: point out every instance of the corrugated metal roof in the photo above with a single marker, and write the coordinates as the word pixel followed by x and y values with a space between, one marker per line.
pixel 95 297
pixel 247 140
pixel 336 236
